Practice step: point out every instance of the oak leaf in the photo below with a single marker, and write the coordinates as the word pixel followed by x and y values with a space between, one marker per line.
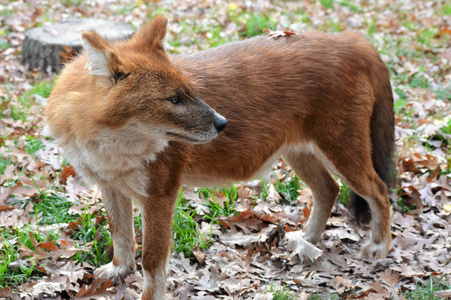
pixel 280 31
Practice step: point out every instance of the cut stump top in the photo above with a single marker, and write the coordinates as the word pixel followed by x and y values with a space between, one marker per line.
pixel 44 47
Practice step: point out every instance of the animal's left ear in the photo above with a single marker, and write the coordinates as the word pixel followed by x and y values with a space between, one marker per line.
pixel 103 58
pixel 153 33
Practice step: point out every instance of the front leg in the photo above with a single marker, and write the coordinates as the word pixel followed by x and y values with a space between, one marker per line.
pixel 156 215
pixel 120 216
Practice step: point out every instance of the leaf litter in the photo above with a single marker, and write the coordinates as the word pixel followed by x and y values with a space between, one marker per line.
pixel 257 248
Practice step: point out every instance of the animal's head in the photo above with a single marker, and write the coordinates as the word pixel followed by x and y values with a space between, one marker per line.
pixel 135 81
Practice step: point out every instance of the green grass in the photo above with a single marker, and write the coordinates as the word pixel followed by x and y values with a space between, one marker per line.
pixel 443 92
pixel 287 188
pixel 254 22
pixel 218 209
pixel 19 111
pixel 323 297
pixel 4 162
pixel 186 235
pixel 327 3
pixel 89 230
pixel 418 80
pixel 345 194
pixel 446 9
pixel 447 128
pixel 216 38
pixel 16 113
pixel 187 222
pixel 53 209
pixel 280 293
pixel 351 6
pixel 4 45
pixel 70 3
pixel 33 144
pixel 7 12
pixel 50 208
pixel 42 88
pixel 405 206
pixel 427 291
pixel 16 270
pixel 401 103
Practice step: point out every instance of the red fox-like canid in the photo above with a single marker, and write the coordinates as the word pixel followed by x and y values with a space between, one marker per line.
pixel 140 123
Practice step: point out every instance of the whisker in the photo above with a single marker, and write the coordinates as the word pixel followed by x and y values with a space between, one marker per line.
pixel 199 79
pixel 189 96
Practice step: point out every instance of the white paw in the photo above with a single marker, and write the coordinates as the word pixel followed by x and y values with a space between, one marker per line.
pixel 110 271
pixel 374 250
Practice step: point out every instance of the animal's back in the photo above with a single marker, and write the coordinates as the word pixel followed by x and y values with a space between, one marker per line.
pixel 276 94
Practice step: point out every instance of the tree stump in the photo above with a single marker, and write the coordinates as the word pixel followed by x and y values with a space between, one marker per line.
pixel 49 47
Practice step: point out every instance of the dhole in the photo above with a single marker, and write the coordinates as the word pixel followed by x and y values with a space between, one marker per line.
pixel 140 123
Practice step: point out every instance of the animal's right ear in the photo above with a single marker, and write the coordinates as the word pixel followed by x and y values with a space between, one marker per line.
pixel 103 61
pixel 153 33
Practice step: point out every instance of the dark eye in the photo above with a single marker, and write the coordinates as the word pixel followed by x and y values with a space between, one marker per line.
pixel 119 76
pixel 176 100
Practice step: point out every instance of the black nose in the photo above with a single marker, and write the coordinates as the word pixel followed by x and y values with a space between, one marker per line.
pixel 220 124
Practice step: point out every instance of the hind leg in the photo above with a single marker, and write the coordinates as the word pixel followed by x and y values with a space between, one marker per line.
pixel 324 189
pixel 352 163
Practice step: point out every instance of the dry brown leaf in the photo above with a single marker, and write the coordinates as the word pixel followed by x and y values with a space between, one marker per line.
pixel 4 207
pixel 244 220
pixel 297 245
pixel 239 239
pixel 5 292
pixel 430 162
pixel 408 165
pixel 281 31
pixel 344 282
pixel 54 252
pixel 97 289
pixel 444 294
pixel 244 192
pixel 389 277
pixel 273 194
pixel 26 181
pixel 67 171
pixel 25 191
pixel 199 255
pixel 411 196
pixel 4 193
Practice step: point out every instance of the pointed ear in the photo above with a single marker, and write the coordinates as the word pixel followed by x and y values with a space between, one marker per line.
pixel 102 58
pixel 153 33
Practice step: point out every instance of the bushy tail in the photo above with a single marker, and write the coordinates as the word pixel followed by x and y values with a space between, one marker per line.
pixel 382 139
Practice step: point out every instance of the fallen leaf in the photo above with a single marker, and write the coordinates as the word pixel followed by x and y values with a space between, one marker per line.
pixel 97 289
pixel 297 245
pixel 443 294
pixel 54 252
pixel 67 171
pixel 447 208
pixel 239 239
pixel 5 292
pixel 281 31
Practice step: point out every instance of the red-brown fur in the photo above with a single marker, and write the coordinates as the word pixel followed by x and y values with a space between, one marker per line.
pixel 322 101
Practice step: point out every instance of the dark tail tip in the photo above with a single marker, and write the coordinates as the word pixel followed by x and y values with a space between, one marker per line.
pixel 360 210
